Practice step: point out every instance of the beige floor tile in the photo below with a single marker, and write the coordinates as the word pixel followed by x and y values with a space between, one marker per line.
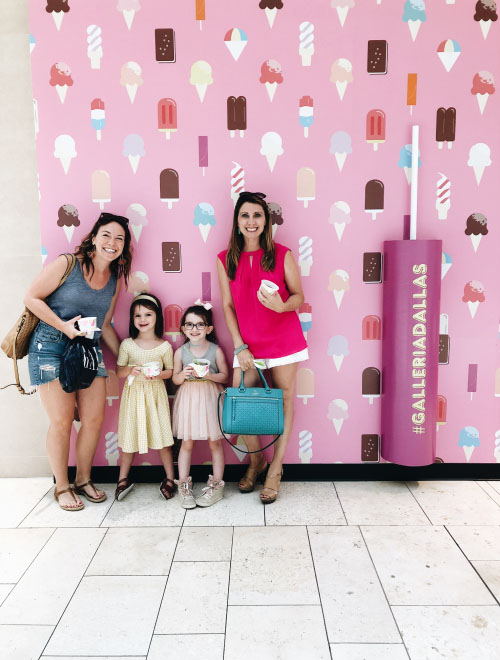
pixel 93 657
pixel 135 551
pixel 479 543
pixel 423 566
pixel 461 633
pixel 490 573
pixel 195 599
pixel 187 647
pixel 47 586
pixel 379 503
pixel 293 632
pixel 145 507
pixel 456 503
pixel 272 566
pixel 19 496
pixel 119 617
pixel 23 642
pixel 236 509
pixel 204 544
pixel 305 503
pixel 492 489
pixel 18 548
pixel 5 590
pixel 354 604
pixel 368 652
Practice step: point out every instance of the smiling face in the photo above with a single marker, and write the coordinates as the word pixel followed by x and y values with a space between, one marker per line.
pixel 251 221
pixel 109 241
pixel 193 333
pixel 144 319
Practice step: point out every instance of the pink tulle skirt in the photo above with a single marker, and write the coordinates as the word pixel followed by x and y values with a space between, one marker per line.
pixel 194 416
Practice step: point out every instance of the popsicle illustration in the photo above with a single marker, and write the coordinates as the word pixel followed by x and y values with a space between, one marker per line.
pixel 206 286
pixel 276 213
pixel 468 440
pixel 483 84
pixel 203 152
pixel 133 149
pixel 306 111
pixel 444 340
pixel 67 218
pixel 94 47
pixel 304 388
pixel 57 8
pixel 472 379
pixel 411 91
pixel 305 446
pixel 169 186
pixel 374 197
pixel 338 349
pixel 338 412
pixel 112 450
pixel 201 77
pixel 64 149
pixel 486 12
pixel 340 216
pixel 305 318
pixel 237 181
pixel 138 283
pixel 305 255
pixel 370 383
pixel 341 75
pixel 479 159
pixel 338 284
pixel 236 41
pixel 112 387
pixel 445 126
pixel 97 116
pixel 128 8
pixel 442 408
pixel 405 161
pixel 446 264
pixel 200 12
pixel 448 52
pixel 414 15
pixel 473 295
pixel 271 148
pixel 172 315
pixel 236 115
pixel 136 214
pixel 131 78
pixel 476 228
pixel 371 328
pixel 167 117
pixel 340 147
pixel 443 194
pixel 60 78
pixel 375 128
pixel 306 42
pixel 306 185
pixel 271 76
pixel 271 8
pixel 101 187
pixel 342 7
pixel 204 218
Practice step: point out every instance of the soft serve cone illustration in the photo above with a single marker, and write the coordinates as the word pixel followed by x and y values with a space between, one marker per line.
pixel 271 148
pixel 305 446
pixel 201 77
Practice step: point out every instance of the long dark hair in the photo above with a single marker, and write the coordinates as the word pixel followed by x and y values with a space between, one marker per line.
pixel 205 314
pixel 236 241
pixel 85 250
pixel 150 302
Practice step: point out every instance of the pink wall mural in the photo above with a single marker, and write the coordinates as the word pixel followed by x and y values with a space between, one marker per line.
pixel 164 112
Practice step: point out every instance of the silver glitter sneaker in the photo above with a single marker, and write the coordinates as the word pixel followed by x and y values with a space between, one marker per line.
pixel 186 493
pixel 212 493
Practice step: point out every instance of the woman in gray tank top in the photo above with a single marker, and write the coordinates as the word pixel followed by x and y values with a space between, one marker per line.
pixel 91 289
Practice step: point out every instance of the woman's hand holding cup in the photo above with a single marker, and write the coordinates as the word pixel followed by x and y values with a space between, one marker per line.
pixel 69 329
pixel 270 300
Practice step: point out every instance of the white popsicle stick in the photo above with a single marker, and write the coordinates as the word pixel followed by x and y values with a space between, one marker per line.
pixel 414 183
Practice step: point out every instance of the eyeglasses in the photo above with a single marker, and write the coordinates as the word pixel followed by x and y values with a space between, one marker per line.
pixel 198 326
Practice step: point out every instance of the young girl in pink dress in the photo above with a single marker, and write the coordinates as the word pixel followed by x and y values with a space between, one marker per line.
pixel 199 368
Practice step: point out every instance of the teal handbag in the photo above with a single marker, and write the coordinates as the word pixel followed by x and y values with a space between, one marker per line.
pixel 251 411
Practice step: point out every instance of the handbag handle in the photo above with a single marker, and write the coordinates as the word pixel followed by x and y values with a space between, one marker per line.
pixel 262 378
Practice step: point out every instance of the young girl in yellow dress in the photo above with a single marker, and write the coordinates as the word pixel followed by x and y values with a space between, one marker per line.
pixel 144 421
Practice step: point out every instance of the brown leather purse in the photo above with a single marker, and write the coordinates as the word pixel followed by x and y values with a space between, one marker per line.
pixel 16 342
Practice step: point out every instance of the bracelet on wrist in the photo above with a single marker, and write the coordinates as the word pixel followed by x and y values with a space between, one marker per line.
pixel 240 348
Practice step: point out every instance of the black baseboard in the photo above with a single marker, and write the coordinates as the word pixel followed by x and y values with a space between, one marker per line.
pixel 319 472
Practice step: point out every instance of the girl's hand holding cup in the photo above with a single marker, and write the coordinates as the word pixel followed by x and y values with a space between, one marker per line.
pixel 188 373
pixel 135 371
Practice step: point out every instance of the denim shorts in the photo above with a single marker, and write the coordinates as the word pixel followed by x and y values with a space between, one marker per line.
pixel 47 346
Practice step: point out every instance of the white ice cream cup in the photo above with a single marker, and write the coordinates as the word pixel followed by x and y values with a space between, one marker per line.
pixel 88 323
pixel 269 287
pixel 151 369
pixel 201 367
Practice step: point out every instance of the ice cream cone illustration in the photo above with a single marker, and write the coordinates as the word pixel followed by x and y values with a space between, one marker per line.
pixel 112 451
pixel 340 147
pixel 475 241
pixel 468 451
pixel 341 87
pixel 305 255
pixel 414 27
pixel 414 15
pixel 473 295
pixel 481 101
pixel 128 15
pixel 204 219
pixel 306 42
pixel 64 149
pixel 476 228
pixel 138 283
pixel 469 440
pixel 338 285
pixel 341 75
pixel 485 27
pixel 133 149
pixel 271 89
pixel 337 361
pixel 405 161
pixel 69 233
pixel 201 77
pixel 60 78
pixel 338 349
pixel 67 218
pixel 473 308
pixel 271 76
pixel 448 52
pixel 340 216
pixel 479 159
pixel 94 47
pixel 446 264
pixel 131 78
pixel 338 413
pixel 270 8
pixel 136 230
pixel 338 295
pixel 483 85
pixel 342 7
pixel 271 148
pixel 305 446
pixel 128 9
pixel 136 213
pixel 236 41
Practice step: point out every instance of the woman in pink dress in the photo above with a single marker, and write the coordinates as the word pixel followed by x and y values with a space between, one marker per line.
pixel 263 326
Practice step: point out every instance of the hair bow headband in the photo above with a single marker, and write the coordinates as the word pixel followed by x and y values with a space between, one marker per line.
pixel 206 305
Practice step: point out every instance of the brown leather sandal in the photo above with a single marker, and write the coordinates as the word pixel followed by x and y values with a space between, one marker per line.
pixel 80 490
pixel 272 485
pixel 167 488
pixel 247 481
pixel 68 507
pixel 123 488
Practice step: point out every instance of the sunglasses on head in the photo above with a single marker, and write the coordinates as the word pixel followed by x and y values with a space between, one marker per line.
pixel 246 193
pixel 105 218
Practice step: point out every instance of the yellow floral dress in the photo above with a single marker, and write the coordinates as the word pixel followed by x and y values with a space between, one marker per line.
pixel 144 421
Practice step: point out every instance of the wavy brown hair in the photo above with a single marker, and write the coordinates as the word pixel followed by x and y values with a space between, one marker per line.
pixel 121 265
pixel 236 241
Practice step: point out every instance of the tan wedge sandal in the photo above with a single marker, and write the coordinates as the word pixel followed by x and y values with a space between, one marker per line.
pixel 247 481
pixel 272 486
pixel 68 507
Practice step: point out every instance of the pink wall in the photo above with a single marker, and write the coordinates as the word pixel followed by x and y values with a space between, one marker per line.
pixel 318 435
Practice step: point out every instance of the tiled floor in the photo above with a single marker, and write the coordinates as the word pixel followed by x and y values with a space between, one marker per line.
pixel 331 571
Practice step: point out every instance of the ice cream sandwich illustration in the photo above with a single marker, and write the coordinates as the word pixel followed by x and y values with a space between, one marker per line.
pixel 371 328
pixel 370 383
pixel 165 44
pixel 444 340
pixel 171 257
pixel 67 218
pixel 476 228
pixel 446 119
pixel 370 448
pixel 236 115
pixel 236 41
pixel 374 197
pixel 169 186
pixel 376 63
pixel 372 267
pixel 485 14
pixel 167 117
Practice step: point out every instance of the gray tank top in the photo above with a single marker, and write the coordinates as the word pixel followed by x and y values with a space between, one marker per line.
pixel 188 357
pixel 76 297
